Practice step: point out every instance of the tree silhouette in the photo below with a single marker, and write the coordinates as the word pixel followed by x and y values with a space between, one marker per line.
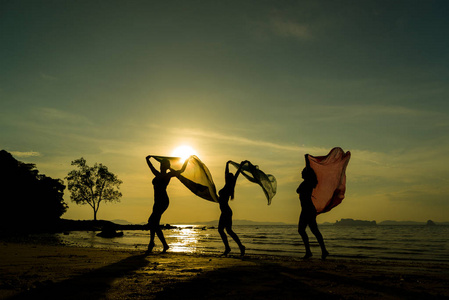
pixel 30 201
pixel 92 185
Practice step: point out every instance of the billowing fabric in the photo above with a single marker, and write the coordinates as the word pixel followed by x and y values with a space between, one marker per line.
pixel 196 176
pixel 330 171
pixel 254 174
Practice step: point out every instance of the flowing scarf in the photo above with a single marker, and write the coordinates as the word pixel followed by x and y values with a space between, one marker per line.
pixel 266 181
pixel 330 172
pixel 198 179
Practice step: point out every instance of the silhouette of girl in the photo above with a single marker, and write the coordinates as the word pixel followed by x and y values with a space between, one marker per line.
pixel 308 210
pixel 225 222
pixel 161 201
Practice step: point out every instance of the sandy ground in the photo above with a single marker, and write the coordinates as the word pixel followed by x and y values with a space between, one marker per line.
pixel 29 271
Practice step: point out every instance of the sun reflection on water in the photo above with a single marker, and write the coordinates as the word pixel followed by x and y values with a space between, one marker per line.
pixel 185 238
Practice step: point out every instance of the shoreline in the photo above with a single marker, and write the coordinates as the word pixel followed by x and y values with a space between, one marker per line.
pixel 55 271
pixel 365 245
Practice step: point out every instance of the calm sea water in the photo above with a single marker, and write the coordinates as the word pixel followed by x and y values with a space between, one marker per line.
pixel 411 243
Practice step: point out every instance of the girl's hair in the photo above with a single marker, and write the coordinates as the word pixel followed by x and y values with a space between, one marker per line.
pixel 310 176
pixel 165 163
pixel 230 183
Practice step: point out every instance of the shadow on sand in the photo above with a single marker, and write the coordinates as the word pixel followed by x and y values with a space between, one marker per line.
pixel 92 285
pixel 271 281
pixel 244 282
pixel 166 277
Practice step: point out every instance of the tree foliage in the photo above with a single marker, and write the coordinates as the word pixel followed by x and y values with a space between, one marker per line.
pixel 92 185
pixel 29 199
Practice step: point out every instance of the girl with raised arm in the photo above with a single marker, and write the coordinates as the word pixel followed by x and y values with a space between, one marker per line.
pixel 225 222
pixel 308 210
pixel 161 201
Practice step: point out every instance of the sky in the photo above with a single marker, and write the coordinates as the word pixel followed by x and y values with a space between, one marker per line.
pixel 265 81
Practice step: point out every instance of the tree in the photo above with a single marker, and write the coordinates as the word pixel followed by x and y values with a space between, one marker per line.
pixel 30 201
pixel 92 185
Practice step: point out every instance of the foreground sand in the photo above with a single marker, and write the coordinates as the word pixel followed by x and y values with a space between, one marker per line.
pixel 57 272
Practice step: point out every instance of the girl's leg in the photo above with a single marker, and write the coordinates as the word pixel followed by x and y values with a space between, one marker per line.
pixel 161 237
pixel 237 240
pixel 155 229
pixel 221 227
pixel 302 232
pixel 314 228
pixel 159 232
pixel 152 233
pixel 151 243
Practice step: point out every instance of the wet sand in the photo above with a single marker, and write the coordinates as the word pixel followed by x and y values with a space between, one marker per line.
pixel 28 271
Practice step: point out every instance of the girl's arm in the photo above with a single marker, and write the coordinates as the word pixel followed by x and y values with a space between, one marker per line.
pixel 307 160
pixel 185 165
pixel 183 168
pixel 240 168
pixel 152 168
pixel 227 167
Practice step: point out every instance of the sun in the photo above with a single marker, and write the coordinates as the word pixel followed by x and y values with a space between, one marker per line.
pixel 184 152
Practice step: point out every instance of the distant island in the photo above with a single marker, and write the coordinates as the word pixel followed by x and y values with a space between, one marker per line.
pixel 343 221
pixel 430 223
pixel 119 224
pixel 237 222
pixel 69 225
pixel 352 222
pixel 414 223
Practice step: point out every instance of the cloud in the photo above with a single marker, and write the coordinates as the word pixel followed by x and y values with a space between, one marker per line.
pixel 369 111
pixel 25 154
pixel 247 141
pixel 424 195
pixel 47 77
pixel 45 118
pixel 288 28
pixel 382 109
pixel 52 114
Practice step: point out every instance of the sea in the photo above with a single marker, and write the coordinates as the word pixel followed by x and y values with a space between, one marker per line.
pixel 405 243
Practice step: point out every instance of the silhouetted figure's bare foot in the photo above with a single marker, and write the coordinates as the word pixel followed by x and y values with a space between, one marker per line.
pixel 242 251
pixel 308 255
pixel 226 252
pixel 165 249
pixel 150 248
pixel 324 255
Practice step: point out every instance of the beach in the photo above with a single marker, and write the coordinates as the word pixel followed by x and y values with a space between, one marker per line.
pixel 28 271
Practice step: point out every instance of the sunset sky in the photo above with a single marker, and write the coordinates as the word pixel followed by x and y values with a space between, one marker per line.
pixel 267 81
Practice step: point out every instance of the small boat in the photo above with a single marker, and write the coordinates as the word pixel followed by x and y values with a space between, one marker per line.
pixel 110 233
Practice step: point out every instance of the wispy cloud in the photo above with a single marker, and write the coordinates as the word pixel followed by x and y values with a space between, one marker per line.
pixel 47 77
pixel 383 109
pixel 246 141
pixel 48 122
pixel 25 154
pixel 289 28
pixel 369 114
pixel 52 114
pixel 345 111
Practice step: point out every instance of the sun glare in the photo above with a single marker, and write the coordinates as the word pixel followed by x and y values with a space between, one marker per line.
pixel 184 152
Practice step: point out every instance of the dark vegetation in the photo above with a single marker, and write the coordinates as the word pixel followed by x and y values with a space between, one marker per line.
pixel 30 201
pixel 98 225
pixel 33 203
